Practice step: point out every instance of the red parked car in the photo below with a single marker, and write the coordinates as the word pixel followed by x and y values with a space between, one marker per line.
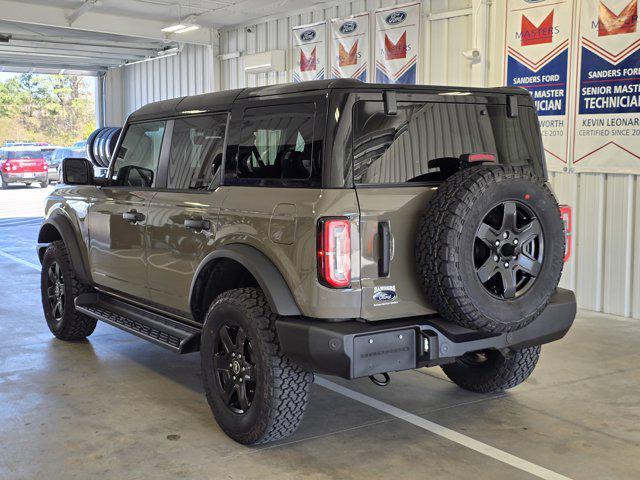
pixel 23 165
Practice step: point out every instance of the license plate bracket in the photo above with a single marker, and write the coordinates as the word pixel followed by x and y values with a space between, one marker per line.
pixel 384 352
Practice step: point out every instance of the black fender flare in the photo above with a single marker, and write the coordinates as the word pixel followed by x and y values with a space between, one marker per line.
pixel 263 270
pixel 66 232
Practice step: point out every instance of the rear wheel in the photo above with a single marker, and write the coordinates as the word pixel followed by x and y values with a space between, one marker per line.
pixel 44 184
pixel 491 371
pixel 28 184
pixel 256 394
pixel 60 286
pixel 3 184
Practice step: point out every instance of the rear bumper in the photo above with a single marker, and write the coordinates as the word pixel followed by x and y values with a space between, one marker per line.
pixel 355 349
pixel 24 178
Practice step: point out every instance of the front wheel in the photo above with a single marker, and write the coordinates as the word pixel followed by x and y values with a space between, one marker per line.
pixel 490 371
pixel 60 286
pixel 256 394
pixel 44 184
pixel 3 184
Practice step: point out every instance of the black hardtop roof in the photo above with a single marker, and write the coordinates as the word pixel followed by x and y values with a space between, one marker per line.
pixel 222 100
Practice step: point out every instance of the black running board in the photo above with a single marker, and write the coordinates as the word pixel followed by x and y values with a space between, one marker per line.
pixel 166 332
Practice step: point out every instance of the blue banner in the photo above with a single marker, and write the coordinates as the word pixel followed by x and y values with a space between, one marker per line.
pixel 609 88
pixel 548 85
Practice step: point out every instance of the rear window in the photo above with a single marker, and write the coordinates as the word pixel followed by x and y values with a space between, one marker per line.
pixel 424 141
pixel 24 154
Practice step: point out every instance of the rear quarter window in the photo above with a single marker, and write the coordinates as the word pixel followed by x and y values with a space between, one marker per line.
pixel 424 142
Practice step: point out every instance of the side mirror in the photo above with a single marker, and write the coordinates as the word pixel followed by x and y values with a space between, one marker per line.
pixel 77 171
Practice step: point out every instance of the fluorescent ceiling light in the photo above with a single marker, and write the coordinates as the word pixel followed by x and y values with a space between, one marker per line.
pixel 173 28
pixel 181 28
pixel 188 28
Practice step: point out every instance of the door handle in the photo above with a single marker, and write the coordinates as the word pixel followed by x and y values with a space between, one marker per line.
pixel 133 216
pixel 384 260
pixel 197 224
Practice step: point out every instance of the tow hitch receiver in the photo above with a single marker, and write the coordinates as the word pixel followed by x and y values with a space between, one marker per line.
pixel 386 379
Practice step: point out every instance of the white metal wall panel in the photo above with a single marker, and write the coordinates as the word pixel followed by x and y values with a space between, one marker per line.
pixel 635 278
pixel 443 42
pixel 605 266
pixel 132 86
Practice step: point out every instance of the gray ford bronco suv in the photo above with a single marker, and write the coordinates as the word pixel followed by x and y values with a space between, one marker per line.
pixel 329 227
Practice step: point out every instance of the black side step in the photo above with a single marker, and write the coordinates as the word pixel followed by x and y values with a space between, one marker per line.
pixel 166 332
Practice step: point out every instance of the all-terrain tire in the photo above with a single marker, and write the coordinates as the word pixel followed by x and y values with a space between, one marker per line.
pixel 445 247
pixel 496 372
pixel 72 325
pixel 281 388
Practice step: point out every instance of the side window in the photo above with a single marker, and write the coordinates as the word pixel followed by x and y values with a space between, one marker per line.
pixel 276 143
pixel 196 152
pixel 136 164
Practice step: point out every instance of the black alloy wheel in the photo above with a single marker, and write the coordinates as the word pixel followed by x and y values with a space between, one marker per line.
pixel 235 368
pixel 55 291
pixel 508 250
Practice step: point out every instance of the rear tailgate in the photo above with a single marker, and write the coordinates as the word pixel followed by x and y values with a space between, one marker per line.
pixel 29 165
pixel 399 161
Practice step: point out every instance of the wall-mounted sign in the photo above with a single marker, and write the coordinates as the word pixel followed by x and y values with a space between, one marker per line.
pixel 350 47
pixel 538 46
pixel 309 52
pixel 607 132
pixel 397 44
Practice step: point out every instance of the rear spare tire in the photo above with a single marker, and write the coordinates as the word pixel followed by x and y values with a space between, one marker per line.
pixel 490 248
pixel 491 371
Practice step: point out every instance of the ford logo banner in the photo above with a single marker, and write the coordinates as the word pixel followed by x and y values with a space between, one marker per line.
pixel 348 27
pixel 384 296
pixel 396 17
pixel 308 35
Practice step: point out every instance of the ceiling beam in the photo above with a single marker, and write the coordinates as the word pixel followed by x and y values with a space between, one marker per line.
pixel 59 53
pixel 92 21
pixel 8 64
pixel 81 10
pixel 78 46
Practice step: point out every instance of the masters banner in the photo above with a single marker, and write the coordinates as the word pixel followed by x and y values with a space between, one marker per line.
pixel 350 47
pixel 537 51
pixel 607 132
pixel 309 51
pixel 397 43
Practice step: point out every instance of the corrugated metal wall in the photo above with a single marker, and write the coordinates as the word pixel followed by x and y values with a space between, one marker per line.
pixel 439 65
pixel 605 267
pixel 128 88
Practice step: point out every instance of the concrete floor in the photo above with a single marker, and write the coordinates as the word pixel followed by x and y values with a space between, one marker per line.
pixel 116 407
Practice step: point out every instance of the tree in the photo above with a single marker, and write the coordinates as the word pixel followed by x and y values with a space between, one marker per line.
pixel 58 109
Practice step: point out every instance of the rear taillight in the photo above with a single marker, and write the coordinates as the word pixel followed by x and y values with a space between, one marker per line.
pixel 567 218
pixel 334 252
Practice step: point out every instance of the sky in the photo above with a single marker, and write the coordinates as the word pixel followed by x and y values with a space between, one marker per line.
pixel 4 76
